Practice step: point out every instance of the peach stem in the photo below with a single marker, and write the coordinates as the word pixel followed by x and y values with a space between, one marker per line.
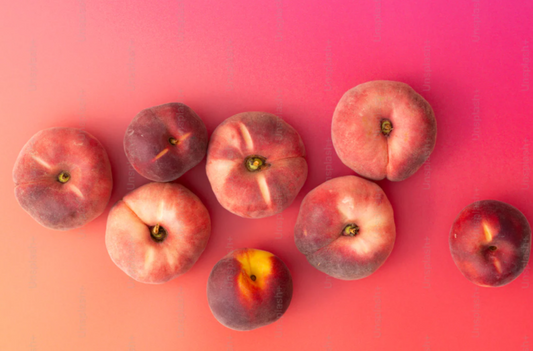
pixel 386 127
pixel 158 233
pixel 350 230
pixel 255 163
pixel 63 177
pixel 253 277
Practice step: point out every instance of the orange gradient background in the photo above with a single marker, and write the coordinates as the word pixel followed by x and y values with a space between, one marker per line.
pixel 94 64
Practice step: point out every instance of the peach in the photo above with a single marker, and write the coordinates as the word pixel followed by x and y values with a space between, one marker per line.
pixel 63 178
pixel 346 228
pixel 383 129
pixel 157 232
pixel 248 289
pixel 256 164
pixel 490 242
pixel 163 142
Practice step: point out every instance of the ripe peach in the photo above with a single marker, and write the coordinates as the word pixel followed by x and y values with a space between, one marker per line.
pixel 157 232
pixel 256 164
pixel 490 242
pixel 248 289
pixel 383 129
pixel 346 228
pixel 63 178
pixel 163 142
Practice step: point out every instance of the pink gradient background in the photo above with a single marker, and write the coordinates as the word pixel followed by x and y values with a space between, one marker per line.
pixel 94 64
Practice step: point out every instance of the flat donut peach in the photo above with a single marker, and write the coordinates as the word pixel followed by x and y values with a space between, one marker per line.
pixel 157 232
pixel 256 164
pixel 346 228
pixel 163 142
pixel 383 129
pixel 63 178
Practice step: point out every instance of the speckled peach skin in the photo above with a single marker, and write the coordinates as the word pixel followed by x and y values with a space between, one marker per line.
pixel 357 135
pixel 490 243
pixel 79 200
pixel 248 289
pixel 261 193
pixel 163 142
pixel 130 243
pixel 328 209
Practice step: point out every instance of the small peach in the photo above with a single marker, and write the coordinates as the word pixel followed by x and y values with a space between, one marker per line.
pixel 248 289
pixel 163 142
pixel 490 242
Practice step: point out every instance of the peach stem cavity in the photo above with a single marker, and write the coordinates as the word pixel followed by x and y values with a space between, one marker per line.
pixel 63 177
pixel 350 230
pixel 158 233
pixel 386 127
pixel 255 163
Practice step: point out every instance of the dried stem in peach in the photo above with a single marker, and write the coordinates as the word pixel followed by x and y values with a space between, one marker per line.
pixel 158 233
pixel 255 163
pixel 350 230
pixel 63 177
pixel 386 127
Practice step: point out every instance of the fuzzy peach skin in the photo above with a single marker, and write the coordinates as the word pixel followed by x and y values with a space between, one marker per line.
pixel 346 228
pixel 163 142
pixel 256 164
pixel 248 289
pixel 157 232
pixel 63 178
pixel 490 243
pixel 383 129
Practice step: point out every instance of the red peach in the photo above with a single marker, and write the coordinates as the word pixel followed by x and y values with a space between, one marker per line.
pixel 346 228
pixel 248 289
pixel 63 178
pixel 256 164
pixel 157 232
pixel 383 129
pixel 163 142
pixel 490 242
